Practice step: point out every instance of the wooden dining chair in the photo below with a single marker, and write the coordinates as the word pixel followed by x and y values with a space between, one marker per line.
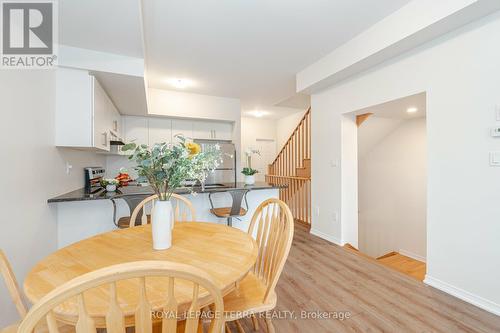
pixel 181 205
pixel 272 227
pixel 203 288
pixel 11 283
pixel 13 288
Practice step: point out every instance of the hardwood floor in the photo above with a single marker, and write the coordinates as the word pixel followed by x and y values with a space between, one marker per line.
pixel 405 265
pixel 320 276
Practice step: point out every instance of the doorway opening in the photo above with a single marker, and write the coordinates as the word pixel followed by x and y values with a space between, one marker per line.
pixel 392 182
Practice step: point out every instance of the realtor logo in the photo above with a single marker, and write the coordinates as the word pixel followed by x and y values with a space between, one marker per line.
pixel 28 34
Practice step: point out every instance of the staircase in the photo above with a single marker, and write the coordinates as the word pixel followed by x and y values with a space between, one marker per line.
pixel 403 264
pixel 292 169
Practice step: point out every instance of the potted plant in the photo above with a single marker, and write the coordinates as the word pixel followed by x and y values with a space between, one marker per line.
pixel 249 175
pixel 248 171
pixel 166 166
pixel 109 184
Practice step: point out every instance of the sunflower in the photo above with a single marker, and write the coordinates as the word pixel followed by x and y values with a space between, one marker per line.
pixel 194 148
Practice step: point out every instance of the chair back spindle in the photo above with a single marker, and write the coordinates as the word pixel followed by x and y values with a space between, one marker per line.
pixel 11 283
pixel 272 226
pixel 143 317
pixel 183 209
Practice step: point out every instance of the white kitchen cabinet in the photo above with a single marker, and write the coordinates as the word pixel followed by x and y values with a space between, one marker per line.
pixel 202 130
pixel 182 127
pixel 212 130
pixel 102 117
pixel 136 130
pixel 160 130
pixel 116 120
pixel 222 131
pixel 85 115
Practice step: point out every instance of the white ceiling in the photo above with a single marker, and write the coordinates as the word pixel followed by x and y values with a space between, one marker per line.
pixel 397 109
pixel 249 49
pixel 128 93
pixel 297 101
pixel 386 118
pixel 112 26
pixel 232 48
pixel 272 112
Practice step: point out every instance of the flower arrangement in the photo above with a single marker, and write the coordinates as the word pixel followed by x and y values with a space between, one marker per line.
pixel 248 170
pixel 167 165
pixel 109 181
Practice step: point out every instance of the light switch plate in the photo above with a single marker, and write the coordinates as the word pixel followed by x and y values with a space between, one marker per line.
pixel 495 132
pixel 495 158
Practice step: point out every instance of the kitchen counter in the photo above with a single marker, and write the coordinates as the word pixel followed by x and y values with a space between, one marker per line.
pixel 80 195
pixel 81 215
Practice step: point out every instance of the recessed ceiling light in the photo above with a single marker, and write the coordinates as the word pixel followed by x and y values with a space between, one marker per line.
pixel 180 83
pixel 258 114
pixel 412 110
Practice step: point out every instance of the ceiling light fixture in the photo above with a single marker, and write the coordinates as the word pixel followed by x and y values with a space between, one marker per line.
pixel 412 109
pixel 180 83
pixel 258 114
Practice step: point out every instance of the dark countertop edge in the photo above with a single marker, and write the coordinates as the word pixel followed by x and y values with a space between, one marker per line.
pixel 79 195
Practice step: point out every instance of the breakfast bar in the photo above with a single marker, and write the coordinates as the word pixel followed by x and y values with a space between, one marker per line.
pixel 81 215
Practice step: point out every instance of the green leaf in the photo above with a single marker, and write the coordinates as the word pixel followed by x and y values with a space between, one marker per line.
pixel 129 146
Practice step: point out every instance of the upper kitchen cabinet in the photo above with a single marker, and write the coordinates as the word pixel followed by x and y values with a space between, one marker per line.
pixel 85 115
pixel 102 117
pixel 160 130
pixel 212 130
pixel 136 130
pixel 222 131
pixel 182 127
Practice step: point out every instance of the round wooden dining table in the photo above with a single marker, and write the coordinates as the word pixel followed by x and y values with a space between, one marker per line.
pixel 227 254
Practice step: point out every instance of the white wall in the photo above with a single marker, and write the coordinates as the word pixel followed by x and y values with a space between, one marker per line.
pixel 372 133
pixel 417 22
pixel 285 127
pixel 458 73
pixel 349 176
pixel 33 171
pixel 258 133
pixel 392 189
pixel 186 105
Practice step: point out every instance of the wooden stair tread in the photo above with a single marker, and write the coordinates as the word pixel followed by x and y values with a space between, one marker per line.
pixel 387 255
pixel 360 119
pixel 395 261
pixel 351 248
pixel 405 265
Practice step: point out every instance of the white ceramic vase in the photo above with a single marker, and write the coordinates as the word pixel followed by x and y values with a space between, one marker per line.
pixel 250 180
pixel 111 188
pixel 162 220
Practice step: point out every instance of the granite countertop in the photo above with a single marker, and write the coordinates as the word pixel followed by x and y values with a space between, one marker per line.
pixel 80 195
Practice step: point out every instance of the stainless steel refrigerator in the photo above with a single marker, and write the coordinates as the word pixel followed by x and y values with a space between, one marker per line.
pixel 226 172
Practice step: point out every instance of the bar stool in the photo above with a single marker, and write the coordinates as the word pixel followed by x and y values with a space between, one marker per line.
pixel 236 210
pixel 132 202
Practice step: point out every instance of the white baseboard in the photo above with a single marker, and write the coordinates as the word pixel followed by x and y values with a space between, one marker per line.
pixel 326 237
pixel 412 255
pixel 463 295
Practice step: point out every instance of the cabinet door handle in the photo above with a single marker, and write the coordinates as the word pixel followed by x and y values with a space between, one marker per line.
pixel 115 125
pixel 215 134
pixel 105 139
